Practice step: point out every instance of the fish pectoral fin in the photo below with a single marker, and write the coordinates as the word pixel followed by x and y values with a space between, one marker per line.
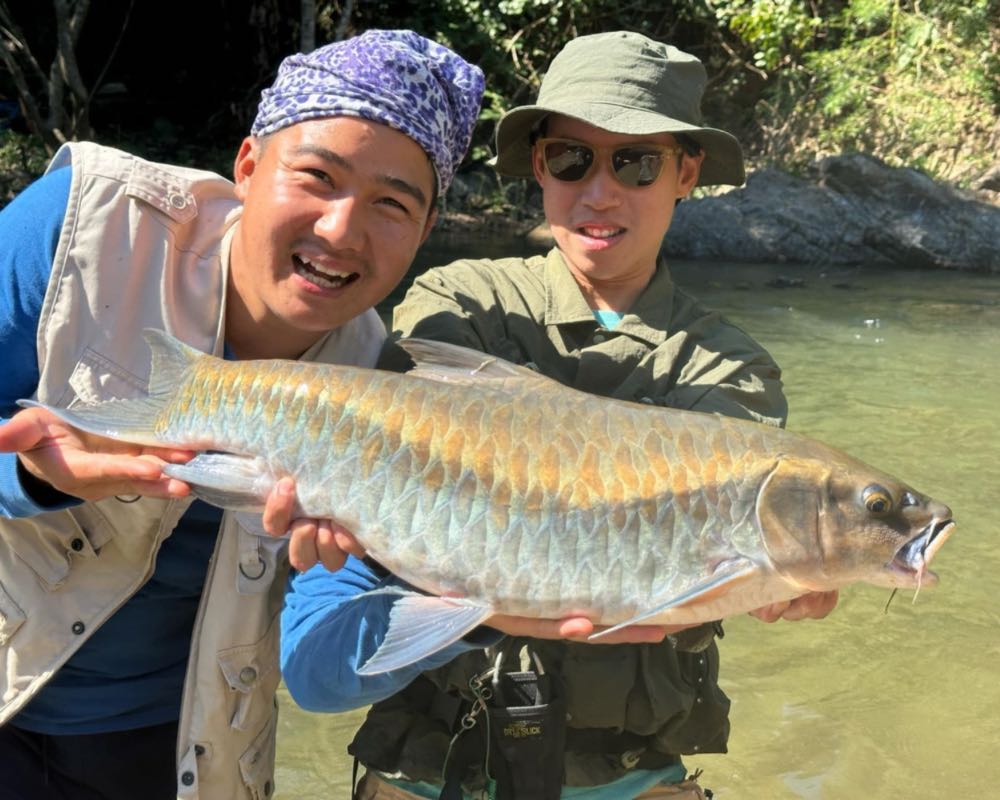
pixel 239 483
pixel 421 625
pixel 725 576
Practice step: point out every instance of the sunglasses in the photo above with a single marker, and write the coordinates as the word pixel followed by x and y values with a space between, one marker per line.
pixel 633 165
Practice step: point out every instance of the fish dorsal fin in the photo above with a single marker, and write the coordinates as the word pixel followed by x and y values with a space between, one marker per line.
pixel 134 420
pixel 170 360
pixel 451 363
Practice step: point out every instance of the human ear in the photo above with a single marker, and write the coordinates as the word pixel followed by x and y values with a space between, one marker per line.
pixel 537 165
pixel 431 219
pixel 690 170
pixel 245 164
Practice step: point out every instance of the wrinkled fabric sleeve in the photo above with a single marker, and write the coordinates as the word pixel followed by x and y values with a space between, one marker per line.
pixel 725 371
pixel 328 629
pixel 29 232
pixel 436 308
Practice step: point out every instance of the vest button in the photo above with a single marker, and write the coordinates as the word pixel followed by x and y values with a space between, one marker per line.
pixel 248 675
pixel 187 778
pixel 78 627
pixel 177 200
pixel 77 544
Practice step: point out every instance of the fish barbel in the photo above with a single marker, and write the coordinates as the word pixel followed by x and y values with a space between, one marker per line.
pixel 496 490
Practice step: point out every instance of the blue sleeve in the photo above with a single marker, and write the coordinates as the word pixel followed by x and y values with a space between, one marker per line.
pixel 29 232
pixel 328 629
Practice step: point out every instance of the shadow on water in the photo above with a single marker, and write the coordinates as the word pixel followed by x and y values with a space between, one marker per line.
pixel 901 369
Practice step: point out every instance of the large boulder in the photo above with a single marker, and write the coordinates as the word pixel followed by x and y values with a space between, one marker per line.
pixel 858 210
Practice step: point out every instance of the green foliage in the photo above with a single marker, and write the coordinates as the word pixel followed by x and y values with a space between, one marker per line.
pixel 907 82
pixel 777 30
pixel 915 82
pixel 22 158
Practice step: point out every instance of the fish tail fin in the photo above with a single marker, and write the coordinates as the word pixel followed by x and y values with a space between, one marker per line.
pixel 134 420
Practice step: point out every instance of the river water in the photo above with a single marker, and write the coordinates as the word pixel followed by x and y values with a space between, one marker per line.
pixel 901 369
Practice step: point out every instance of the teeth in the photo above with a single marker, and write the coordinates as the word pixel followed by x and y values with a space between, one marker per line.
pixel 601 233
pixel 330 273
pixel 321 276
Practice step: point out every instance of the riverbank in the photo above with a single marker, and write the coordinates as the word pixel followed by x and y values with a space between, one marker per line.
pixel 850 210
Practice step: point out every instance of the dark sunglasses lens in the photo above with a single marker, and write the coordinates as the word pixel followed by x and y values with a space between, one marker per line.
pixel 637 166
pixel 567 161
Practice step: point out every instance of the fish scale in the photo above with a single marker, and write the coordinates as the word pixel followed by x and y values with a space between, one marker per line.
pixel 507 492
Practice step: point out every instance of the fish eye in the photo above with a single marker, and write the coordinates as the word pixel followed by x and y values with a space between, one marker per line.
pixel 877 499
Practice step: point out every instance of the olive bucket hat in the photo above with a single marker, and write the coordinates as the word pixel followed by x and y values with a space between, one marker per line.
pixel 625 83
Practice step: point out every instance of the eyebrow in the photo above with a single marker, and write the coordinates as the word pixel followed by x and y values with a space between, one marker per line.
pixel 386 180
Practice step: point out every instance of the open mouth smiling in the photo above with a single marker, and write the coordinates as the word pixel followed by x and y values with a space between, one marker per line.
pixel 600 231
pixel 322 276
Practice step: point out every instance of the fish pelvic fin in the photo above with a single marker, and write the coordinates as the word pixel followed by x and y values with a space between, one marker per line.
pixel 451 363
pixel 133 420
pixel 239 483
pixel 421 625
pixel 724 578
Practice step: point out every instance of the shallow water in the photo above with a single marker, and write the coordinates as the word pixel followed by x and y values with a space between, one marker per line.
pixel 901 369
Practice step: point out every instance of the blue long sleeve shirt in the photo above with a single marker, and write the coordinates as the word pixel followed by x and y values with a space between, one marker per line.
pixel 130 672
pixel 328 630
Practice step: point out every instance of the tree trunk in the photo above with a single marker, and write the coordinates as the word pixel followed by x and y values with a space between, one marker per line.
pixel 307 33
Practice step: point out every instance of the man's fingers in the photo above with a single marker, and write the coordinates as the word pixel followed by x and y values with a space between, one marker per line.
pixel 577 629
pixel 345 540
pixel 280 508
pixel 814 605
pixel 770 613
pixel 302 552
pixel 25 430
pixel 634 634
pixel 330 553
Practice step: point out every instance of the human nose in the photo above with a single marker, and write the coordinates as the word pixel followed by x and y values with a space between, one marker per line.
pixel 601 189
pixel 341 223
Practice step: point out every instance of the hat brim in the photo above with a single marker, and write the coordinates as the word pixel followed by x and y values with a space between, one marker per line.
pixel 723 162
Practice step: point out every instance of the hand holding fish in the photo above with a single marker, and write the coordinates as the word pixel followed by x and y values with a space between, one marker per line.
pixel 310 541
pixel 580 629
pixel 86 465
pixel 814 605
pixel 626 514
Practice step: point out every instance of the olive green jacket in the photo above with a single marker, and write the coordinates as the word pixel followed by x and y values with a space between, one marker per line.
pixel 628 705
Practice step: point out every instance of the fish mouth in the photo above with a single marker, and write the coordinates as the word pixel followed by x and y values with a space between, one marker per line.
pixel 911 560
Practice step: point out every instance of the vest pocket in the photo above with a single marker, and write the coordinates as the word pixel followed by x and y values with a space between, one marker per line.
pixel 598 681
pixel 257 763
pixel 252 674
pixel 11 617
pixel 47 543
pixel 96 378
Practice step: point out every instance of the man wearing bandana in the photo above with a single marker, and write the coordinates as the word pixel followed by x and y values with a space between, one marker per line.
pixel 139 630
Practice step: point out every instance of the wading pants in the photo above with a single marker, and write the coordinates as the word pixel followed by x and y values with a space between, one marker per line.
pixel 372 787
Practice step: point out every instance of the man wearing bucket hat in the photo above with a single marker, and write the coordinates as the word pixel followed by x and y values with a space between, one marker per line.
pixel 138 631
pixel 615 140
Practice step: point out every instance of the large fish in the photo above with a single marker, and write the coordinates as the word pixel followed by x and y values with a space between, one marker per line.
pixel 494 489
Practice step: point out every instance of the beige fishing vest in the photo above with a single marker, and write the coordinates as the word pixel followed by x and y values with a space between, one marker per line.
pixel 144 246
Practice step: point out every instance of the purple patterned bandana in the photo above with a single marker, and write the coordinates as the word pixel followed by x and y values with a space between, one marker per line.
pixel 397 78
